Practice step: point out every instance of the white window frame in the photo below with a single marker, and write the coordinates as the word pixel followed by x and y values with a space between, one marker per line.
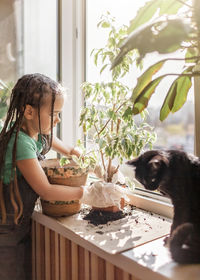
pixel 72 65
pixel 72 69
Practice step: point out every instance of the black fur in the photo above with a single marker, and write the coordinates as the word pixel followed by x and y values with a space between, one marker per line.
pixel 177 175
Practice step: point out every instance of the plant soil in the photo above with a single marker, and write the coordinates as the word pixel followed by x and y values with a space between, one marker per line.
pixel 98 217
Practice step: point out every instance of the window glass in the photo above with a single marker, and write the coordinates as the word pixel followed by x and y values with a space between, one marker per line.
pixel 28 42
pixel 28 38
pixel 177 131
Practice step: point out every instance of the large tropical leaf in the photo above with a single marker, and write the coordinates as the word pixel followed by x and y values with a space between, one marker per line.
pixel 171 7
pixel 183 86
pixel 146 77
pixel 161 36
pixel 143 98
pixel 169 101
pixel 176 95
pixel 146 13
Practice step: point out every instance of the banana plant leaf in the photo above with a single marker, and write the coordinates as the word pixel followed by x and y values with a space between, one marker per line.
pixel 141 102
pixel 152 7
pixel 145 78
pixel 176 96
pixel 163 36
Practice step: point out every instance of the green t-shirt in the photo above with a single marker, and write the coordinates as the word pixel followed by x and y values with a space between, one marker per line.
pixel 27 148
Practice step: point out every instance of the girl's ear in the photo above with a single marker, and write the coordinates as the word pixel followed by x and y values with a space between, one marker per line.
pixel 29 112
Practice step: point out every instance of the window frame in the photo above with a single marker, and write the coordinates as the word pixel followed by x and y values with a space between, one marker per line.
pixel 73 73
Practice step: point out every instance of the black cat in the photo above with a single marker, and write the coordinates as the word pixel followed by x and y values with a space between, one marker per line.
pixel 177 175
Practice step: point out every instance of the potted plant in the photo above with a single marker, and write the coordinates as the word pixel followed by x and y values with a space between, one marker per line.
pixel 66 171
pixel 112 132
pixel 5 90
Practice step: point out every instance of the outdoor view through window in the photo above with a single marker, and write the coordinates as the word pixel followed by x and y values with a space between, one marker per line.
pixel 175 132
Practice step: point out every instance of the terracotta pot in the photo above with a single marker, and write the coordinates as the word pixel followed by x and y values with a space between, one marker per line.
pixel 59 210
pixel 69 175
pixel 113 209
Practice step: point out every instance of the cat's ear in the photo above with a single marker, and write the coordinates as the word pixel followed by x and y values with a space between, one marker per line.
pixel 132 162
pixel 157 161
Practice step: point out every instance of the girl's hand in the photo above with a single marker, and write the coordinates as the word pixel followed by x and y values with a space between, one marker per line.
pixel 75 152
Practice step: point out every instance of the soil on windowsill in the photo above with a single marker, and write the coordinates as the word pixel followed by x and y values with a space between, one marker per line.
pixel 98 217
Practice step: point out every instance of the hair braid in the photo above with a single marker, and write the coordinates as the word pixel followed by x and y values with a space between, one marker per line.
pixel 29 90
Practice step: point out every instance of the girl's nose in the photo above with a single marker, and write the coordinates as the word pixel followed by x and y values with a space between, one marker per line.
pixel 57 119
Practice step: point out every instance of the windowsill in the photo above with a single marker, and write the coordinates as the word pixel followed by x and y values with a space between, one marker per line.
pixel 148 260
pixel 150 204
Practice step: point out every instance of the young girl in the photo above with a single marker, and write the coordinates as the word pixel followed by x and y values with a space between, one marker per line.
pixel 35 104
pixel 27 134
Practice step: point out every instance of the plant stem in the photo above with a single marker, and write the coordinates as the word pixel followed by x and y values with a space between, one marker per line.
pixel 101 153
pixel 109 173
pixel 109 177
pixel 118 125
pixel 110 118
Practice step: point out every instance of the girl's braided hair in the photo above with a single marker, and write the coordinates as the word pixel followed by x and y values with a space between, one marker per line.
pixel 29 89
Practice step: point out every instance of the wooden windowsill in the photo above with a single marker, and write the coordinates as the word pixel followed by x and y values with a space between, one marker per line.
pixel 147 260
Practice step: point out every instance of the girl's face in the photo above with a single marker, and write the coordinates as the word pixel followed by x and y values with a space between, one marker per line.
pixel 45 114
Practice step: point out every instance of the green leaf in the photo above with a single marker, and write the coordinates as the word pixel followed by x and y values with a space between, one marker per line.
pixel 144 14
pixel 102 143
pixel 183 86
pixel 112 115
pixel 103 68
pixel 191 52
pixel 169 101
pixel 171 34
pixel 64 161
pixel 128 112
pixel 105 24
pixel 145 78
pixel 161 36
pixel 96 55
pixel 170 7
pixel 143 98
pixel 177 95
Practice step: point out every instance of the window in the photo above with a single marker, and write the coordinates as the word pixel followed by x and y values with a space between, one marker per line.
pixel 28 38
pixel 177 131
pixel 79 36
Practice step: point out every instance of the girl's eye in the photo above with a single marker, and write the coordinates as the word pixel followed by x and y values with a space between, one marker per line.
pixel 56 115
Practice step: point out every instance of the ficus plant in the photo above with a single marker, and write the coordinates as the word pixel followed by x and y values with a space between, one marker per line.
pixel 164 26
pixel 107 117
pixel 5 91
